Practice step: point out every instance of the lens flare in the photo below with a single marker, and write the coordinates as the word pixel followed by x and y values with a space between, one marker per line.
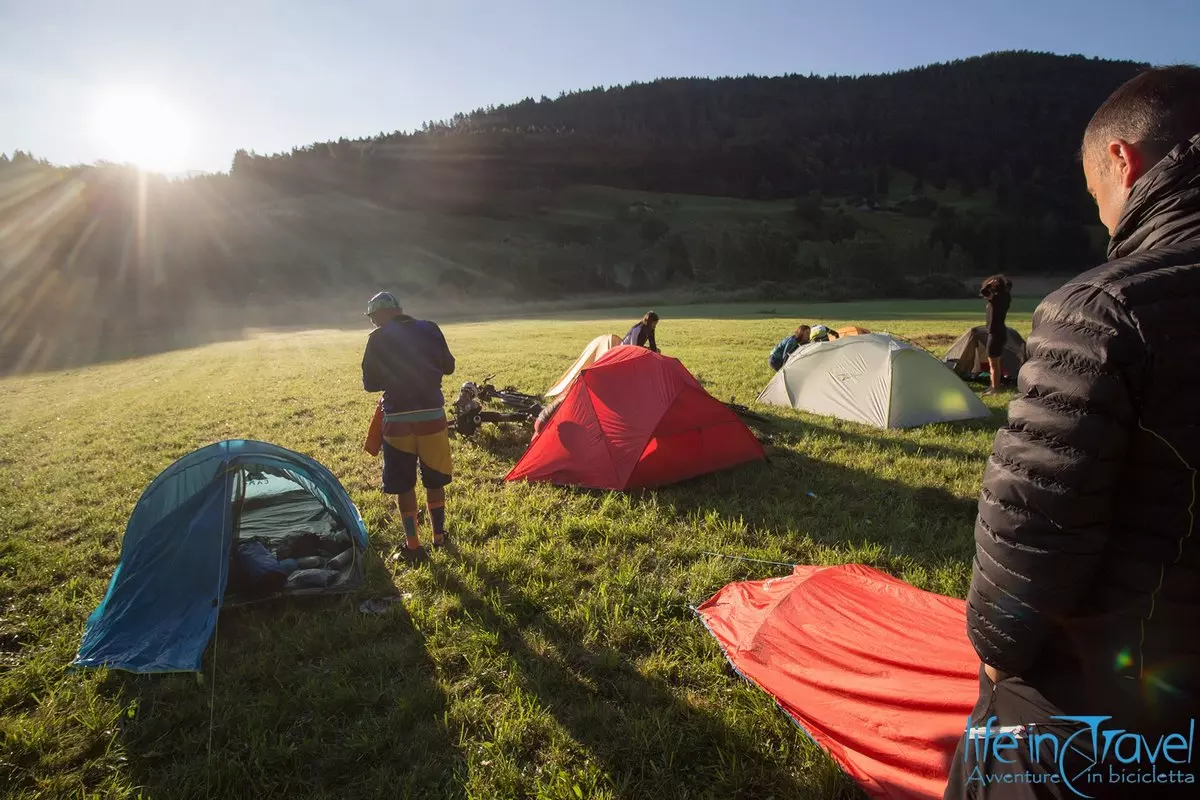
pixel 139 126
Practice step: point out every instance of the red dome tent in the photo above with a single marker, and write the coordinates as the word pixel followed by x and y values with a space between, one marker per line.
pixel 636 419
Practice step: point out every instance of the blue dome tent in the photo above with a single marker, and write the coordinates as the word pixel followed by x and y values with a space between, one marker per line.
pixel 249 507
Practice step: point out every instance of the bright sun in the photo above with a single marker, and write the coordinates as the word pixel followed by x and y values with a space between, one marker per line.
pixel 138 126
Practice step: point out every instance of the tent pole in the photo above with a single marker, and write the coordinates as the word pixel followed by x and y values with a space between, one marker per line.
pixel 212 697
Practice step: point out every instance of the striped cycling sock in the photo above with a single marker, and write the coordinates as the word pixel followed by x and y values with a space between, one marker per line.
pixel 410 530
pixel 437 518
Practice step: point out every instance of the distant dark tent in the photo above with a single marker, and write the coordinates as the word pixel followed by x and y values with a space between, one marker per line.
pixel 968 355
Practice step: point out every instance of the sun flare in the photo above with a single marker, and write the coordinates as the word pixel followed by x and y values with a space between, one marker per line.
pixel 140 127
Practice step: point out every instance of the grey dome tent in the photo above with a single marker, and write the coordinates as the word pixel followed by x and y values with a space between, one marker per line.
pixel 968 355
pixel 874 379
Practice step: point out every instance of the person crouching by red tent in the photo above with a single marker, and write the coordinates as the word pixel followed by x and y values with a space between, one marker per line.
pixel 642 333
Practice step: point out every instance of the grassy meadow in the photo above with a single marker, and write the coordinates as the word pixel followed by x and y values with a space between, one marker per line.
pixel 550 653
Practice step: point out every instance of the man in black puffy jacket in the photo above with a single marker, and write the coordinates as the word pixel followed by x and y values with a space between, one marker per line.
pixel 1085 592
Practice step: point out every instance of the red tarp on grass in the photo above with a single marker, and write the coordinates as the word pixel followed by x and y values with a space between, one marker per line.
pixel 878 672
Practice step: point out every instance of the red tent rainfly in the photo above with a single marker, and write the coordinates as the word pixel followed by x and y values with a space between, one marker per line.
pixel 879 673
pixel 636 419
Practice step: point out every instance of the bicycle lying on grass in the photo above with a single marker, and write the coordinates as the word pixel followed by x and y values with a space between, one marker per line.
pixel 469 412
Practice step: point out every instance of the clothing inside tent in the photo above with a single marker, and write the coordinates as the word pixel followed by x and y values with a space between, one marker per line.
pixel 286 539
pixel 234 521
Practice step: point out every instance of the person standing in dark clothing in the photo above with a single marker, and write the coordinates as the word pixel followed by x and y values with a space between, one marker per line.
pixel 1085 588
pixel 406 359
pixel 642 334
pixel 998 292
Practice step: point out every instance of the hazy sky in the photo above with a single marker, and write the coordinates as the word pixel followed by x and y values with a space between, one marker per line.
pixel 113 79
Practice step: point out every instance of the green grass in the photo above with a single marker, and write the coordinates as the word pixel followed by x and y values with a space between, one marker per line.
pixel 551 655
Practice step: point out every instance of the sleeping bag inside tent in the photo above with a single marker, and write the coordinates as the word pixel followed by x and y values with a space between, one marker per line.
pixel 636 419
pixel 879 673
pixel 874 379
pixel 968 355
pixel 596 348
pixel 232 522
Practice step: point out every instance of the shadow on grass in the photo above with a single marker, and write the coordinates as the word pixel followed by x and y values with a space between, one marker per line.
pixel 836 505
pixel 65 352
pixel 307 697
pixel 859 436
pixel 507 440
pixel 648 741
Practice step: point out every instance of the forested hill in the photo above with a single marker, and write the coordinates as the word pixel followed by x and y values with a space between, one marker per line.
pixel 819 187
pixel 1009 121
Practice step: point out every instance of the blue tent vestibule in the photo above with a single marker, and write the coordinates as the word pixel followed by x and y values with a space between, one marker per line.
pixel 251 508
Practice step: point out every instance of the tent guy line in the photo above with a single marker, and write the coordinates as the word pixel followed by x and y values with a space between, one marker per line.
pixel 747 558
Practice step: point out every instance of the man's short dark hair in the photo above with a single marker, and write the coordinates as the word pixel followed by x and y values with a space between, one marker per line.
pixel 994 285
pixel 1157 109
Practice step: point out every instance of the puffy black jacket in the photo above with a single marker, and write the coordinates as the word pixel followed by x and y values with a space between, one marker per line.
pixel 1086 579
